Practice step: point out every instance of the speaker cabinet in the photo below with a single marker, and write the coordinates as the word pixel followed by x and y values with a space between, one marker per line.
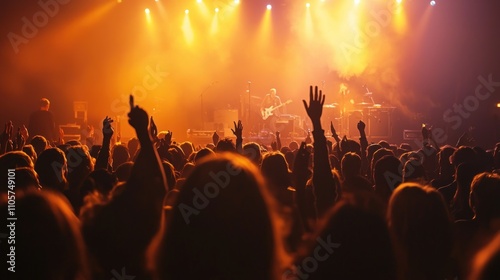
pixel 379 123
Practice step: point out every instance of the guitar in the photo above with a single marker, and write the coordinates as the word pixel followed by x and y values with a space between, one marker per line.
pixel 267 112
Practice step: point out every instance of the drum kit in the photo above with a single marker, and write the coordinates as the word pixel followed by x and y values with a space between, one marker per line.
pixel 346 116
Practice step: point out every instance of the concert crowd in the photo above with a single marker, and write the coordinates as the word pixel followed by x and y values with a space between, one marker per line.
pixel 326 207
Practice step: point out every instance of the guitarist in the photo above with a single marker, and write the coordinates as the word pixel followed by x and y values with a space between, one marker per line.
pixel 271 99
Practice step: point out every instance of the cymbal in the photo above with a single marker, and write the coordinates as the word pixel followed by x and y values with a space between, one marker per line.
pixel 363 104
pixel 330 106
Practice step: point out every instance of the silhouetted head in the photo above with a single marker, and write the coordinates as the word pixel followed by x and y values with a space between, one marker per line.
pixel 378 154
pixel 293 145
pixel 220 227
pixel 99 180
pixel 275 170
pixel 485 196
pixel 187 148
pixel 350 146
pixel 14 159
pixel 123 171
pixel 272 92
pixel 80 165
pixel 445 166
pixel 225 145
pixel 44 104
pixel 120 155
pixel 414 171
pixel 39 143
pixel 51 167
pixel 351 165
pixel 49 244
pixel 204 152
pixel 253 152
pixel 462 155
pixel 420 226
pixel 26 179
pixel 370 150
pixel 387 175
pixel 30 151
pixel 133 146
pixel 353 242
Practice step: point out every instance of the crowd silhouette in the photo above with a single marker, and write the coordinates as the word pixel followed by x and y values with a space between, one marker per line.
pixel 326 208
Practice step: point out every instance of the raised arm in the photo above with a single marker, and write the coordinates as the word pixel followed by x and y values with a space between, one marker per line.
pixel 238 132
pixel 147 175
pixel 301 174
pixel 102 161
pixel 325 190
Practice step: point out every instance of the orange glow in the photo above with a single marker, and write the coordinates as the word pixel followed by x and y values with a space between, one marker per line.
pixel 400 22
pixel 187 29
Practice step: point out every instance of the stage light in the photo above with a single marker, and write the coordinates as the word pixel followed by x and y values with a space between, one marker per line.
pixel 186 11
pixel 269 7
pixel 216 10
pixel 236 2
pixel 308 5
pixel 119 1
pixel 433 3
pixel 199 1
pixel 146 11
pixel 357 2
pixel 399 1
pixel 498 105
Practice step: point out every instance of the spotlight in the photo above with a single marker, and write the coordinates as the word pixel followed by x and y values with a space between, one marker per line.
pixel 357 2
pixel 216 10
pixel 146 11
pixel 236 2
pixel 433 3
pixel 308 5
pixel 199 1
pixel 186 11
pixel 269 7
pixel 498 105
pixel 399 1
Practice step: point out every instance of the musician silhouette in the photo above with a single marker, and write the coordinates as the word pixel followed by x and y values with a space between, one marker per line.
pixel 270 109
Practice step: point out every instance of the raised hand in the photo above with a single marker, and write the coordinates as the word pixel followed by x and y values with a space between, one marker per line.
pixel 315 108
pixel 215 138
pixel 238 129
pixel 334 133
pixel 153 129
pixel 20 141
pixel 24 132
pixel 274 146
pixel 361 126
pixel 107 129
pixel 168 138
pixel 7 133
pixel 137 117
